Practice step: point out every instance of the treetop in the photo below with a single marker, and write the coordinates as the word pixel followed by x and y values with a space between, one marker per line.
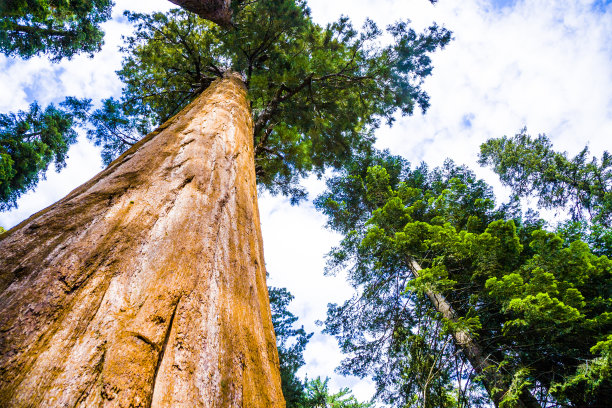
pixel 317 93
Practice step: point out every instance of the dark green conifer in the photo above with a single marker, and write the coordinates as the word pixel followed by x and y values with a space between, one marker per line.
pixel 59 28
pixel 31 140
pixel 538 302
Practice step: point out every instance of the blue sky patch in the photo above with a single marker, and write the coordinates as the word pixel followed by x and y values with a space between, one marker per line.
pixel 602 6
pixel 501 4
pixel 466 120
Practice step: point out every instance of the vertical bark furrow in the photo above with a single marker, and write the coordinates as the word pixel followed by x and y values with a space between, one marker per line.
pixel 155 295
pixel 162 352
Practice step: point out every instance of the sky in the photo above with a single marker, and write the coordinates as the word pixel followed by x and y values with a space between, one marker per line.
pixel 543 64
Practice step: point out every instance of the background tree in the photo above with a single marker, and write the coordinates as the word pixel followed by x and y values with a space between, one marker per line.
pixel 58 28
pixel 521 291
pixel 30 141
pixel 581 184
pixel 291 345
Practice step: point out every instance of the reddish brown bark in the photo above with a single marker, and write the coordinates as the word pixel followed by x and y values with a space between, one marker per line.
pixel 218 11
pixel 146 286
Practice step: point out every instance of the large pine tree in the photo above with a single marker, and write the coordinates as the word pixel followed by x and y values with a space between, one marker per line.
pixel 146 285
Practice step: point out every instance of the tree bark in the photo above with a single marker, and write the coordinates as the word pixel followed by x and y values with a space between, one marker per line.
pixel 146 287
pixel 217 11
pixel 483 364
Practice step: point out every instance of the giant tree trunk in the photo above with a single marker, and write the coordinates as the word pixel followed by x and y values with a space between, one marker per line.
pixel 484 365
pixel 217 11
pixel 146 286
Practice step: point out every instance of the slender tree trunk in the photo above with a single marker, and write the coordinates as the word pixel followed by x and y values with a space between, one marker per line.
pixel 483 364
pixel 218 11
pixel 146 286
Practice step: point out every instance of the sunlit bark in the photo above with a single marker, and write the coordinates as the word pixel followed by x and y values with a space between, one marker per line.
pixel 146 286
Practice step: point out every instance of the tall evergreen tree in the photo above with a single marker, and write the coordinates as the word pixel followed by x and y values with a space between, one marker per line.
pixel 146 285
pixel 317 93
pixel 291 345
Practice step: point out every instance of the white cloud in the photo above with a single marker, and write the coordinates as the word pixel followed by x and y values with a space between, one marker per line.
pixel 543 64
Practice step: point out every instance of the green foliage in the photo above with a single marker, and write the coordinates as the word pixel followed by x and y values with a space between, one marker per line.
pixel 535 300
pixel 2 230
pixel 60 28
pixel 31 140
pixel 598 236
pixel 317 395
pixel 384 207
pixel 112 130
pixel 530 166
pixel 291 343
pixel 317 93
pixel 591 376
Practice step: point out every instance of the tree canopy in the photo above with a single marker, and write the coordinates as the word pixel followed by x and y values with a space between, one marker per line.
pixel 31 140
pixel 317 93
pixel 536 301
pixel 531 167
pixel 58 28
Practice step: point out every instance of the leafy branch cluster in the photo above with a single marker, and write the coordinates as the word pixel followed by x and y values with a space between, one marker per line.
pixel 58 28
pixel 31 140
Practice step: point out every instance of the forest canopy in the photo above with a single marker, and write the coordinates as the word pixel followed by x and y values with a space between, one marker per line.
pixel 317 93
